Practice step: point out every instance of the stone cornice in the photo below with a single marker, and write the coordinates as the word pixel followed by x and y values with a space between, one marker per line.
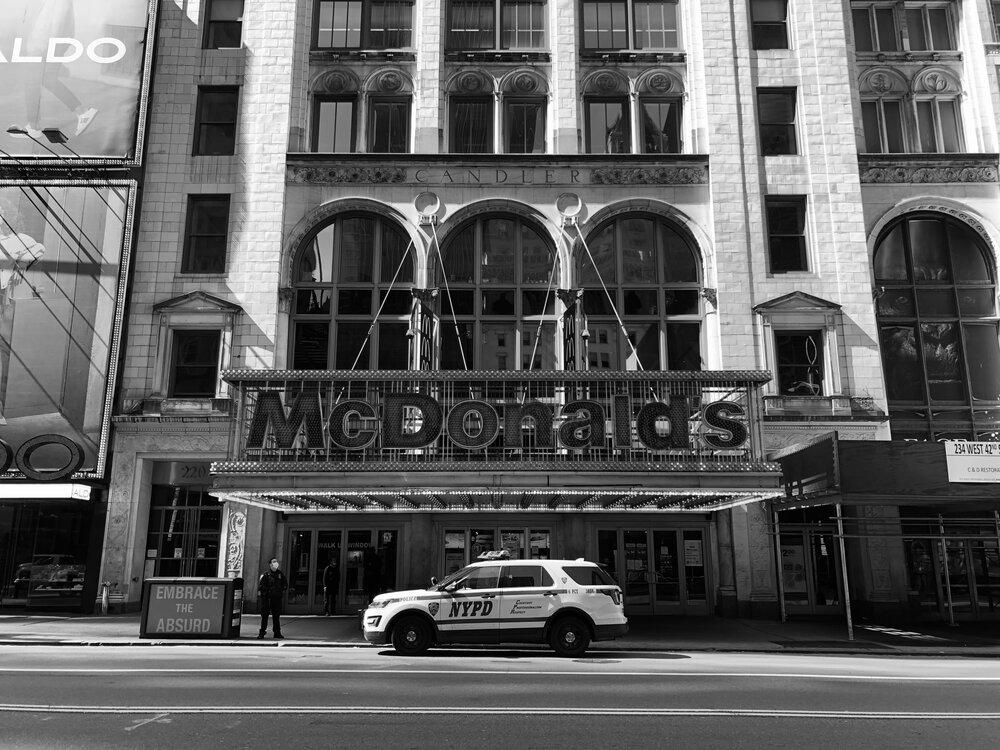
pixel 928 168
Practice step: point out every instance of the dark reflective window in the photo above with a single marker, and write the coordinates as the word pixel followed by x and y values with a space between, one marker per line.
pixel 365 263
pixel 207 234
pixel 769 24
pixel 215 120
pixel 936 309
pixel 195 365
pixel 651 271
pixel 472 125
pixel 776 117
pixel 607 126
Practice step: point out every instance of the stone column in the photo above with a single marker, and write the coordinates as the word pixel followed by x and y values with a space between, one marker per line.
pixel 429 19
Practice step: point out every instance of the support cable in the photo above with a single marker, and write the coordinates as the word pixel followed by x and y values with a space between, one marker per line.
pixel 447 290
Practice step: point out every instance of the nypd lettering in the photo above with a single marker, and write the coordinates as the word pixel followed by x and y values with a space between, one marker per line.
pixel 470 609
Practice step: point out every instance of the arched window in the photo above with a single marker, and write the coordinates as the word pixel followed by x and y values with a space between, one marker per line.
pixel 498 269
pixel 651 270
pixel 937 321
pixel 342 274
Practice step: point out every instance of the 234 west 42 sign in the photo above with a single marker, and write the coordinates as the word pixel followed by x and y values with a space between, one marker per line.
pixel 537 420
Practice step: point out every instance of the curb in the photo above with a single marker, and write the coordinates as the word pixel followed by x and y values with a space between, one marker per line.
pixel 890 651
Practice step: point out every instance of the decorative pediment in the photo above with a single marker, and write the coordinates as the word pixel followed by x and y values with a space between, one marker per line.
pixel 797 302
pixel 470 83
pixel 524 82
pixel 605 83
pixel 196 302
pixel 389 81
pixel 659 82
pixel 883 82
pixel 936 81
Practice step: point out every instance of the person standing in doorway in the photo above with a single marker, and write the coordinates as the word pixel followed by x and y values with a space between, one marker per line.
pixel 331 582
pixel 271 593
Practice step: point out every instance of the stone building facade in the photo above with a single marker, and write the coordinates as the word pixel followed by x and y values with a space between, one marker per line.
pixel 534 177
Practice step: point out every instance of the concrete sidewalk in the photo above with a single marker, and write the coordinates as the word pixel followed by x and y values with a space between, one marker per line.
pixel 645 634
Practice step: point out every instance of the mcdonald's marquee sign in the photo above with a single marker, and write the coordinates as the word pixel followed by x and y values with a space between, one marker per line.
pixel 309 421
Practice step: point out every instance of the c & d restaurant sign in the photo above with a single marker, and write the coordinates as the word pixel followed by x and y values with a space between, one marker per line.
pixel 337 421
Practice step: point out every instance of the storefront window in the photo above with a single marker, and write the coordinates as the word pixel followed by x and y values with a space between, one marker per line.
pixel 464 546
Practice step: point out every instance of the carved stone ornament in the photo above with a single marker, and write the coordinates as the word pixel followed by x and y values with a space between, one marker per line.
pixel 336 175
pixel 660 83
pixel 390 81
pixel 649 176
pixel 471 83
pixel 607 83
pixel 525 83
pixel 236 532
pixel 336 82
pixel 935 82
pixel 922 174
pixel 880 82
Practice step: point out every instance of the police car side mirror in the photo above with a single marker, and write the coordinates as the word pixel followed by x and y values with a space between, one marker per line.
pixel 434 580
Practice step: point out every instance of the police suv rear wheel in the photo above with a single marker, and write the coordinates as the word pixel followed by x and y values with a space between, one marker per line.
pixel 569 637
pixel 411 636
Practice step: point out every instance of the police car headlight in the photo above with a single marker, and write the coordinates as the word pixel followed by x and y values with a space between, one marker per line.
pixel 381 604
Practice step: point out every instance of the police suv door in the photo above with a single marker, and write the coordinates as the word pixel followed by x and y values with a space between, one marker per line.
pixel 527 599
pixel 469 611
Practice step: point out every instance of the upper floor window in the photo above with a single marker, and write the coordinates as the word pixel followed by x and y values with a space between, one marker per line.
pixel 194 368
pixel 471 124
pixel 333 124
pixel 895 27
pixel 502 272
pixel 215 120
pixel 911 116
pixel 786 233
pixel 769 24
pixel 938 328
pixel 524 125
pixel 995 9
pixel 389 125
pixel 882 120
pixel 608 130
pixel 224 24
pixel 776 116
pixel 799 360
pixel 206 234
pixel 496 24
pixel 348 271
pixel 651 271
pixel 630 24
pixel 608 114
pixel 363 24
pixel 376 120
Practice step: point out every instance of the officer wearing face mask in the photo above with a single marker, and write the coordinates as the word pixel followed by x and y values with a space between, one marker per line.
pixel 271 593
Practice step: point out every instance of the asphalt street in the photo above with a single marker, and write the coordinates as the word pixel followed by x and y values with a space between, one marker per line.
pixel 197 696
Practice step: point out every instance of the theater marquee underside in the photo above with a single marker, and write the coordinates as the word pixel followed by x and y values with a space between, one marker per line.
pixel 489 440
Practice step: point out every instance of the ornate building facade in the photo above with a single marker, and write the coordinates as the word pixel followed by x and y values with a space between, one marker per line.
pixel 566 277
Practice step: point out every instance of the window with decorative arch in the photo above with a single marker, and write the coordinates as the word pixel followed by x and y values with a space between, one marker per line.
pixel 938 329
pixel 502 273
pixel 348 270
pixel 651 269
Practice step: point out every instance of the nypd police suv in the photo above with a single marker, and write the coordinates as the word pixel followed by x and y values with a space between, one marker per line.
pixel 565 603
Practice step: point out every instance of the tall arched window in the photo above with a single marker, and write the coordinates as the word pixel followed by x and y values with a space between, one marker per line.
pixel 937 321
pixel 498 270
pixel 342 274
pixel 651 270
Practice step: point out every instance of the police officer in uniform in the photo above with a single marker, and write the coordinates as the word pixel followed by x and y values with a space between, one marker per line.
pixel 271 593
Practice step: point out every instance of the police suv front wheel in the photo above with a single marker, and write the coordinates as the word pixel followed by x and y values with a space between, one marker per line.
pixel 411 636
pixel 569 637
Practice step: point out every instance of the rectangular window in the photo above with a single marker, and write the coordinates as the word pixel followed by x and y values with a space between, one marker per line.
pixel 522 24
pixel 471 24
pixel 333 125
pixel 605 24
pixel 389 126
pixel 875 29
pixel 929 28
pixel 524 125
pixel 939 126
pixel 655 24
pixel 206 234
pixel 354 24
pixel 786 233
pixel 215 121
pixel 776 113
pixel 224 24
pixel 472 125
pixel 799 362
pixel 769 19
pixel 195 364
pixel 607 126
pixel 883 125
pixel 661 126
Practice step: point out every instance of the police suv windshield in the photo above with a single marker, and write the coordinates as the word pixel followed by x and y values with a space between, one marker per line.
pixel 460 573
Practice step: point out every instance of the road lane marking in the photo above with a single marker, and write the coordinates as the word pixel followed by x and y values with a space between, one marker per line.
pixel 163 711
pixel 505 672
pixel 158 717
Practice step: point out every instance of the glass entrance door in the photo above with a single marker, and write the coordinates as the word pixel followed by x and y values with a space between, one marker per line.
pixel 349 566
pixel 661 571
pixel 810 571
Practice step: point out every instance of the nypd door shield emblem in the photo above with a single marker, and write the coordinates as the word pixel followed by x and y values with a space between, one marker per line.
pixel 433 608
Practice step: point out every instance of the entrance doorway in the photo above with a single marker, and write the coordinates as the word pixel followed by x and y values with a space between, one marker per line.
pixel 349 566
pixel 810 571
pixel 972 572
pixel 661 571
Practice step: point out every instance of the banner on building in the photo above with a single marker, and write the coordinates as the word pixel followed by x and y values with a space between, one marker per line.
pixel 62 269
pixel 74 71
